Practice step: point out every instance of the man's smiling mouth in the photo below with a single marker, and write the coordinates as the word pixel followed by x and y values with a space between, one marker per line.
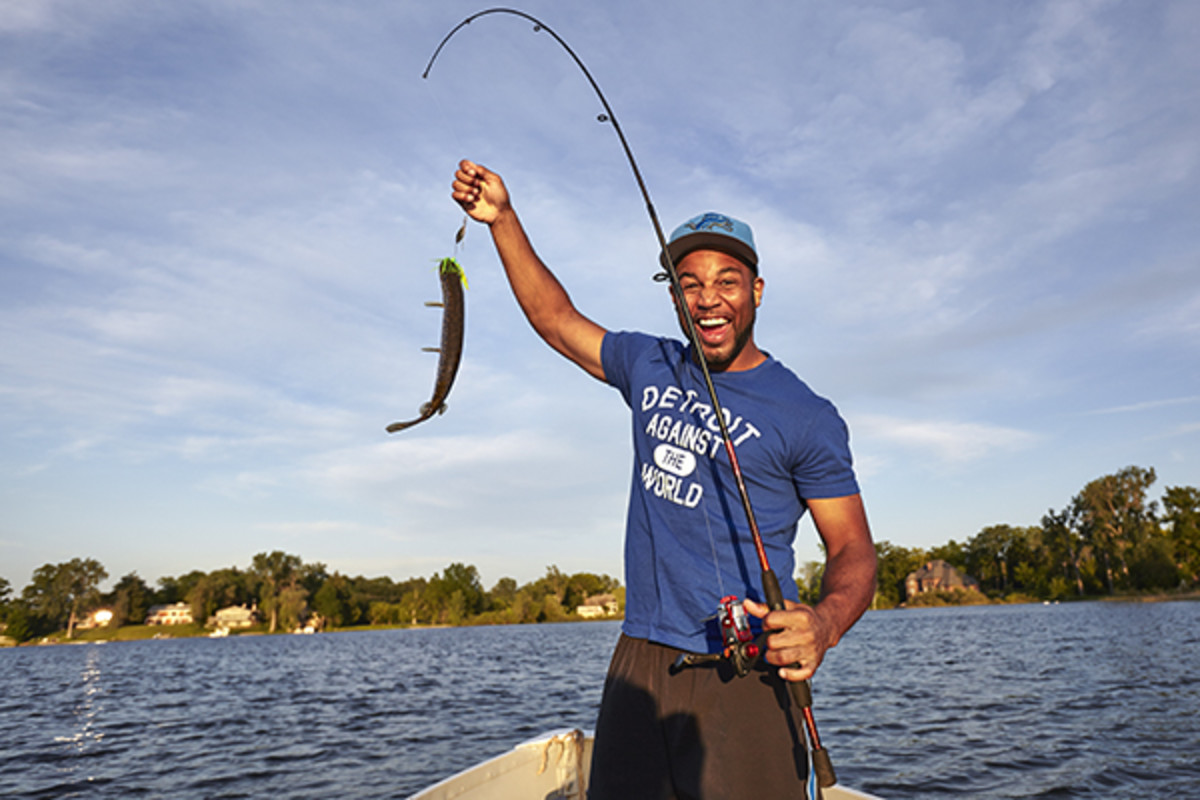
pixel 713 328
pixel 712 322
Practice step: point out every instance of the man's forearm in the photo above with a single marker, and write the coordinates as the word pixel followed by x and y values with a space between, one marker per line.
pixel 538 292
pixel 545 302
pixel 847 587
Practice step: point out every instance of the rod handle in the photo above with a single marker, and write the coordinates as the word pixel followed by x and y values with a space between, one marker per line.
pixel 801 693
pixel 823 767
pixel 774 597
pixel 771 591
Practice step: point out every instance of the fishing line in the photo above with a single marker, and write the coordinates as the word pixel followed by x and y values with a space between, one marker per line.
pixel 458 142
pixel 712 543
pixel 800 690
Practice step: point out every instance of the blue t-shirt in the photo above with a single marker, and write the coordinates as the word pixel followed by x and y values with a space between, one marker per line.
pixel 687 542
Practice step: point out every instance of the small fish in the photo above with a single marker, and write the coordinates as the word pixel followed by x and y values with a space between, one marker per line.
pixel 453 321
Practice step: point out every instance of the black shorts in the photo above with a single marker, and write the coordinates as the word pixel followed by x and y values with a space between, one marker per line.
pixel 697 732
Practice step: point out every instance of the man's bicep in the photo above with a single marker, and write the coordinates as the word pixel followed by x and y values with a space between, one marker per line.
pixel 580 340
pixel 841 522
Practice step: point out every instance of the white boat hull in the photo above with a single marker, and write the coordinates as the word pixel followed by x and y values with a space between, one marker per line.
pixel 553 766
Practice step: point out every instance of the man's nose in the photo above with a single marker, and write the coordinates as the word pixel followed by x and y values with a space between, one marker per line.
pixel 707 297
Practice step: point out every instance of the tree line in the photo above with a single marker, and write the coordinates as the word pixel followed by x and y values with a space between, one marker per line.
pixel 287 592
pixel 1111 538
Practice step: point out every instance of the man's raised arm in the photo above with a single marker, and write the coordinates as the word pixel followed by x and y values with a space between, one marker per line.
pixel 546 304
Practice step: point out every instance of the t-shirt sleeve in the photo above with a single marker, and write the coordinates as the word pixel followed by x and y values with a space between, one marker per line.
pixel 824 467
pixel 618 351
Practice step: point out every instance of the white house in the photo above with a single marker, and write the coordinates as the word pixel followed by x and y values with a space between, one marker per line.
pixel 599 605
pixel 173 614
pixel 95 619
pixel 234 617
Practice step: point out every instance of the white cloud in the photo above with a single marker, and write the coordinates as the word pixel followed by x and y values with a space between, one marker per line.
pixel 947 441
pixel 1149 405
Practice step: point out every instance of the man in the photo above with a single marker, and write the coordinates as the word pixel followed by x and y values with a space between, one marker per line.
pixel 665 732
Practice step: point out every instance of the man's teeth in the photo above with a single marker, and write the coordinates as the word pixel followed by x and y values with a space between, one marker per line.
pixel 712 323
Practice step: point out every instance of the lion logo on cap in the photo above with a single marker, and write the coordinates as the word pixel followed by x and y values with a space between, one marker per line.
pixel 712 220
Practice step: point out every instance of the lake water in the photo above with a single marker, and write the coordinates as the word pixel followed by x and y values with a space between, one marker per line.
pixel 1088 700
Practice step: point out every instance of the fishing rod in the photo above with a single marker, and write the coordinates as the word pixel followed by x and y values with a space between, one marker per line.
pixel 801 690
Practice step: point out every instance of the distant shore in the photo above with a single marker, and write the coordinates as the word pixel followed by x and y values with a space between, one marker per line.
pixel 134 633
pixel 975 598
pixel 139 633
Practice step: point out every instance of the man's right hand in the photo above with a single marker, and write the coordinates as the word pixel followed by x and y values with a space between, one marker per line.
pixel 480 192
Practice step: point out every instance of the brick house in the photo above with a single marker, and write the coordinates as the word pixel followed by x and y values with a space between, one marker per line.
pixel 937 575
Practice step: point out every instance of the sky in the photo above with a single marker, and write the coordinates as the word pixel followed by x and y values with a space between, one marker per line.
pixel 977 223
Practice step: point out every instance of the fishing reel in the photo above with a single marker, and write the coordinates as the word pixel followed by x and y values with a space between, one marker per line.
pixel 742 648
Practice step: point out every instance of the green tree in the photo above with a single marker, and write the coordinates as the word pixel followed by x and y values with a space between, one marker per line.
pixel 1006 558
pixel 366 591
pixel 952 553
pixel 1181 515
pixel 1031 564
pixel 554 583
pixel 808 581
pixel 334 601
pixel 986 557
pixel 456 595
pixel 1066 549
pixel 502 595
pixel 12 614
pixel 60 592
pixel 175 590
pixel 525 608
pixel 293 606
pixel 383 613
pixel 20 623
pixel 1115 518
pixel 1152 563
pixel 894 563
pixel 312 577
pixel 552 610
pixel 415 606
pixel 276 572
pixel 130 600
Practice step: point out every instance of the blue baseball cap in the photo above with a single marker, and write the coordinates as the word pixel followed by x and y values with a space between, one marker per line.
pixel 713 231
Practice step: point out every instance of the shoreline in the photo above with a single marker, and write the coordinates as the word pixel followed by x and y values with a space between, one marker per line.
pixel 165 632
pixel 191 633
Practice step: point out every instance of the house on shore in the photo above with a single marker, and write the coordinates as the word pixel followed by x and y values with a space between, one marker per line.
pixel 232 617
pixel 96 618
pixel 173 614
pixel 599 605
pixel 938 576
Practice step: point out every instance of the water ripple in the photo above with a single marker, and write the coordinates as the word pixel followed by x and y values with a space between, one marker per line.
pixel 1091 700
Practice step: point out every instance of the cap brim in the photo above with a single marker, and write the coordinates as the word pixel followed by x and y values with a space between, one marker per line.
pixel 704 240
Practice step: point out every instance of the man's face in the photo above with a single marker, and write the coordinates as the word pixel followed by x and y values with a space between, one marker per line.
pixel 722 295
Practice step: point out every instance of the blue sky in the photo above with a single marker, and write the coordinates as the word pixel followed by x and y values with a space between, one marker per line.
pixel 218 222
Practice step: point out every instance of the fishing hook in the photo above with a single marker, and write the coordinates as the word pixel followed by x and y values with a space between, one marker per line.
pixel 801 690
